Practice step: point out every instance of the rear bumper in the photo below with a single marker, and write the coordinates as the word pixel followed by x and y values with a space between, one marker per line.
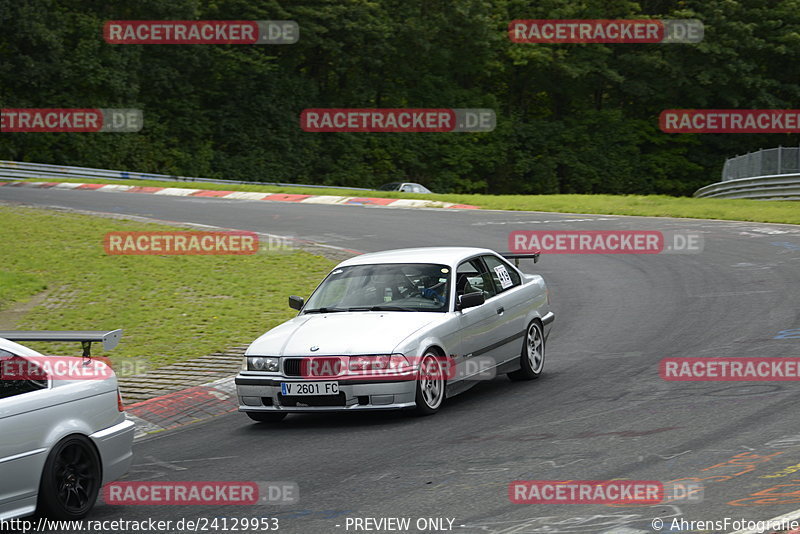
pixel 263 394
pixel 115 445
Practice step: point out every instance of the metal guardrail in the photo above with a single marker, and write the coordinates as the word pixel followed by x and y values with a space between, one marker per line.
pixel 15 170
pixel 767 174
pixel 774 187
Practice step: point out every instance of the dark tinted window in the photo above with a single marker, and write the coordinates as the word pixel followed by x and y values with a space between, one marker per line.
pixel 10 366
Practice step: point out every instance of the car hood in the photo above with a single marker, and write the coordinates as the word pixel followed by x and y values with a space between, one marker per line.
pixel 342 333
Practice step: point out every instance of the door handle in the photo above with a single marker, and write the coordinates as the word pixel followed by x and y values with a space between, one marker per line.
pixel 500 310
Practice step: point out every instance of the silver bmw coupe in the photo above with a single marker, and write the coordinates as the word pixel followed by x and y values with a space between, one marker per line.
pixel 400 329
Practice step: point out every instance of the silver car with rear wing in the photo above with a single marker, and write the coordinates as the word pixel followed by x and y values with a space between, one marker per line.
pixel 400 329
pixel 63 432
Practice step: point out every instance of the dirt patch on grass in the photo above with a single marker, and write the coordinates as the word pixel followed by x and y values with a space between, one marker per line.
pixel 12 315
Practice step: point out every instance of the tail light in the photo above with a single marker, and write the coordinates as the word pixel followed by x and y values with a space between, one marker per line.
pixel 120 404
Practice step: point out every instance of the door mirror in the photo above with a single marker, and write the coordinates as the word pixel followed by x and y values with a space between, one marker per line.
pixel 470 300
pixel 296 303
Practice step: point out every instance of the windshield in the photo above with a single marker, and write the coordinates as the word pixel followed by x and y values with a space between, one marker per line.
pixel 383 287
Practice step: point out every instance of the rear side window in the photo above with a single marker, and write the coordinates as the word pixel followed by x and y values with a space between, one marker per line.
pixel 10 365
pixel 503 275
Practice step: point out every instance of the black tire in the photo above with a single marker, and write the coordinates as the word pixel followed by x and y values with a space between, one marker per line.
pixel 266 417
pixel 532 355
pixel 430 385
pixel 71 480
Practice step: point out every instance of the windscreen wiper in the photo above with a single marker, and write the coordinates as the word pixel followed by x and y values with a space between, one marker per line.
pixel 326 310
pixel 381 308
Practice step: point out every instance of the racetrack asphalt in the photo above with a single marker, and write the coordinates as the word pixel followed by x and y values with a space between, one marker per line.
pixel 599 412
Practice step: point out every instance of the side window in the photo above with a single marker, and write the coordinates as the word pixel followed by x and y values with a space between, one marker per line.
pixel 471 276
pixel 11 366
pixel 504 276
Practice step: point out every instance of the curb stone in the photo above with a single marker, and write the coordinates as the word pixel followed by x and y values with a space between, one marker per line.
pixel 176 377
pixel 247 195
pixel 183 407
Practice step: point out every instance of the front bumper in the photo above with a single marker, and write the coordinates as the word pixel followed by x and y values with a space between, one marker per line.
pixel 259 393
pixel 547 323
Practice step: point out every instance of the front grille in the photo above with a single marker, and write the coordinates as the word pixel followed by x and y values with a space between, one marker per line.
pixel 312 400
pixel 291 366
pixel 312 367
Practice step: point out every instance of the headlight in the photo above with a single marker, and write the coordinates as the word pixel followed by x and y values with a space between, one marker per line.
pixel 263 363
pixel 380 362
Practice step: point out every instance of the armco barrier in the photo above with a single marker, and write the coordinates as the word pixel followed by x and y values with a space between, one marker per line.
pixel 774 187
pixel 15 170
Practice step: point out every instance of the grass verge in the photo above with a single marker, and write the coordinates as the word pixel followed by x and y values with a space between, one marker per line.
pixel 643 205
pixel 171 308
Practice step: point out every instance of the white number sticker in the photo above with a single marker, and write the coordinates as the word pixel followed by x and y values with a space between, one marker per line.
pixel 505 278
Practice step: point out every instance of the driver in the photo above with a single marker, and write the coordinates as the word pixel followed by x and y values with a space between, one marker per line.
pixel 434 291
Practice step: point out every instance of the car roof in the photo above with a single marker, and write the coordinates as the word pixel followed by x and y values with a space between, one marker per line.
pixel 16 348
pixel 451 256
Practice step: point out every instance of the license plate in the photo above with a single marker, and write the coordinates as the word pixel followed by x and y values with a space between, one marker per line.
pixel 309 388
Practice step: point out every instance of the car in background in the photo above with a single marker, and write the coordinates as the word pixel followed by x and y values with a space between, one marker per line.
pixel 405 187
pixel 60 439
pixel 400 329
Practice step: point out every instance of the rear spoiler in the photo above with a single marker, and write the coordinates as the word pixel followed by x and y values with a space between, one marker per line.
pixel 516 257
pixel 110 338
